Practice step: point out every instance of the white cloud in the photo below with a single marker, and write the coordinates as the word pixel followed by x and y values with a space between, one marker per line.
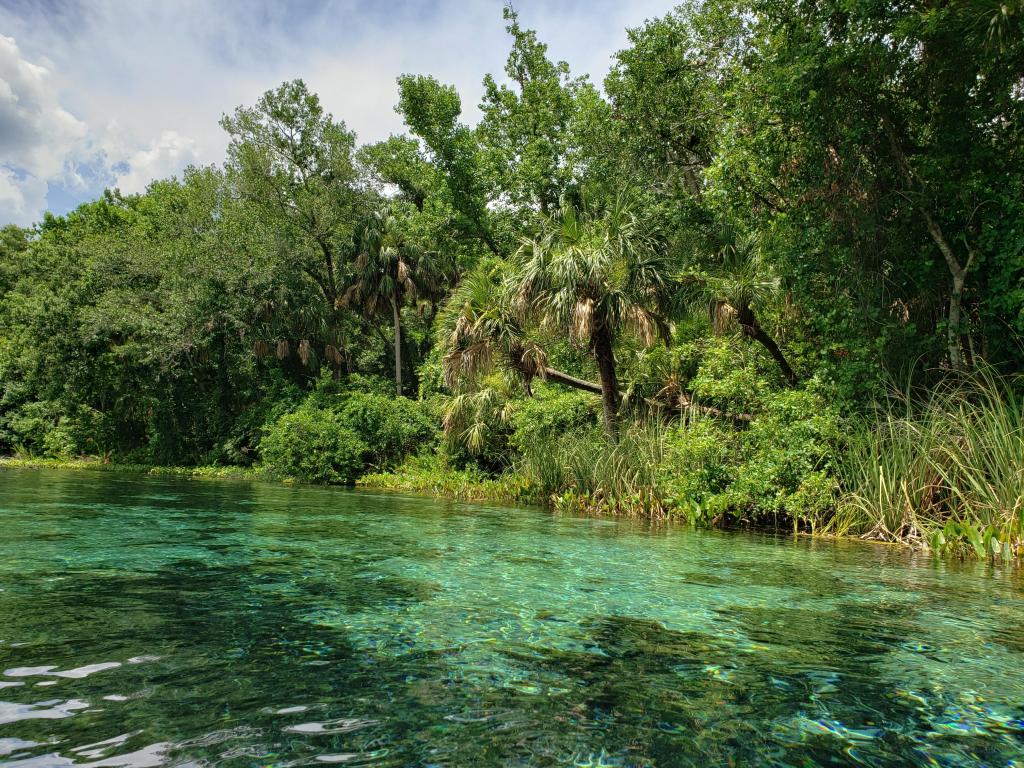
pixel 38 137
pixel 122 84
pixel 21 200
pixel 164 157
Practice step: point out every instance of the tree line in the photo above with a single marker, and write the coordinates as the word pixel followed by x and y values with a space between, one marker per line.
pixel 822 197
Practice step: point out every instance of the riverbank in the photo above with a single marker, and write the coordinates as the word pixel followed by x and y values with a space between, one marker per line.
pixel 424 477
pixel 96 464
pixel 411 477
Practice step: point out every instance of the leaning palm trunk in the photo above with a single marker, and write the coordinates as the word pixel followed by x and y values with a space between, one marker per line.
pixel 565 379
pixel 752 328
pixel 398 346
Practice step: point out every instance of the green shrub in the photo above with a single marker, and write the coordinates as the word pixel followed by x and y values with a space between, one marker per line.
pixel 335 435
pixel 28 425
pixel 549 413
pixel 392 427
pixel 314 445
pixel 85 432
pixel 777 470
pixel 787 450
pixel 278 397
pixel 46 428
pixel 697 463
pixel 729 378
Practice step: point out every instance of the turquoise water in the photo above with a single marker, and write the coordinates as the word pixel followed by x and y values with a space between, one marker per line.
pixel 149 622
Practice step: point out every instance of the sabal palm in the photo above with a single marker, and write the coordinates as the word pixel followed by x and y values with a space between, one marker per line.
pixel 389 271
pixel 471 417
pixel 479 331
pixel 738 282
pixel 594 273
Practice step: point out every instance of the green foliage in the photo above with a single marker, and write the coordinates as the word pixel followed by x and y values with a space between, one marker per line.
pixel 431 110
pixel 726 379
pixel 776 473
pixel 836 182
pixel 478 423
pixel 391 427
pixel 944 472
pixel 83 432
pixel 550 413
pixel 530 147
pixel 783 463
pixel 315 446
pixel 590 473
pixel 385 429
pixel 431 474
pixel 697 465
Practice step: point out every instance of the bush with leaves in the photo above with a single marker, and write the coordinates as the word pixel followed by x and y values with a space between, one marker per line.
pixel 696 466
pixel 784 468
pixel 549 413
pixel 314 445
pixel 392 427
pixel 386 428
pixel 84 432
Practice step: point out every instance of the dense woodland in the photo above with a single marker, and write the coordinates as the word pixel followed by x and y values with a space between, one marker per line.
pixel 769 270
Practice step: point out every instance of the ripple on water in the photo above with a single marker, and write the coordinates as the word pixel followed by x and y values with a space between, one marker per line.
pixel 341 725
pixel 51 671
pixel 194 624
pixel 151 756
pixel 55 709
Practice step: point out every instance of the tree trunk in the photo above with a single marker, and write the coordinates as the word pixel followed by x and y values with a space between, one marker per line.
pixel 329 288
pixel 752 328
pixel 603 353
pixel 398 347
pixel 560 377
pixel 953 332
pixel 685 403
pixel 958 272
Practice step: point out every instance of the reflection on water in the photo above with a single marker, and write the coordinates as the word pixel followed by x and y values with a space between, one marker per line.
pixel 148 622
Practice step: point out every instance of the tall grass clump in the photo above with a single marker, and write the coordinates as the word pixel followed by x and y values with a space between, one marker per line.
pixel 945 471
pixel 586 472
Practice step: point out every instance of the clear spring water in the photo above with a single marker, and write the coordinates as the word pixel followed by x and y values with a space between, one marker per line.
pixel 150 622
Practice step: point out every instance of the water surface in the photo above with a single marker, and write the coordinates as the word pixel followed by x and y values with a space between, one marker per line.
pixel 148 622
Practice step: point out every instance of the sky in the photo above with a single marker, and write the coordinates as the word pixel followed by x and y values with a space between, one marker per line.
pixel 116 93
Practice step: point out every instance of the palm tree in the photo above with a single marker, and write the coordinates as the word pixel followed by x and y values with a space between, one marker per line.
pixel 594 273
pixel 738 281
pixel 390 270
pixel 479 331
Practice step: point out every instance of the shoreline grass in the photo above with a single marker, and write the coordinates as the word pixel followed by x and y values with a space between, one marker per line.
pixel 423 476
pixel 98 464
pixel 942 474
